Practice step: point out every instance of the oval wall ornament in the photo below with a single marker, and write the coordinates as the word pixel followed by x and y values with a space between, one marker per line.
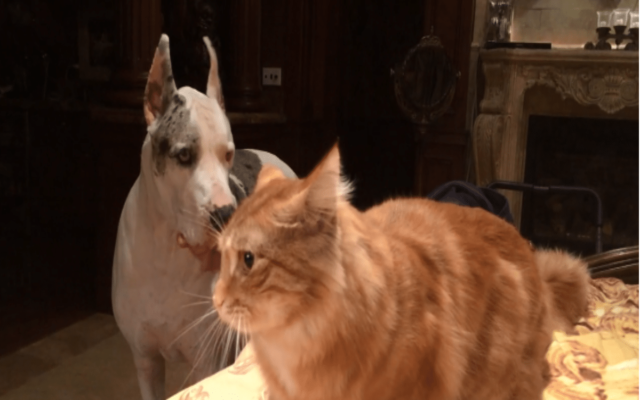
pixel 424 84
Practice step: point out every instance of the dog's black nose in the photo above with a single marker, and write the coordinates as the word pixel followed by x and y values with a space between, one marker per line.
pixel 220 215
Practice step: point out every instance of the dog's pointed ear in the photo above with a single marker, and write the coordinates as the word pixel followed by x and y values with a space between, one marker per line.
pixel 266 175
pixel 161 87
pixel 214 88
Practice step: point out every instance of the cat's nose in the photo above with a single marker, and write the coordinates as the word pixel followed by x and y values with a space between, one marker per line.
pixel 220 215
pixel 218 302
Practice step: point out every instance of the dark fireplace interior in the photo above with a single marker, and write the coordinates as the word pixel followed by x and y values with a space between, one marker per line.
pixel 600 154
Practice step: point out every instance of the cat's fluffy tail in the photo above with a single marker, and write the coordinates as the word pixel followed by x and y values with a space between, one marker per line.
pixel 566 284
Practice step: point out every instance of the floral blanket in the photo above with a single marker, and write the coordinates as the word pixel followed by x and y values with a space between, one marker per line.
pixel 599 361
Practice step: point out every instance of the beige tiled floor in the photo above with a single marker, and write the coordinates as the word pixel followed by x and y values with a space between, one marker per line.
pixel 89 360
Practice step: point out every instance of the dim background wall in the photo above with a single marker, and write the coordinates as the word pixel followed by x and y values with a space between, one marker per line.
pixel 72 74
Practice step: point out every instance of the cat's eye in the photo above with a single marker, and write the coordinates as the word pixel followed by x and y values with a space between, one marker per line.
pixel 248 259
pixel 184 155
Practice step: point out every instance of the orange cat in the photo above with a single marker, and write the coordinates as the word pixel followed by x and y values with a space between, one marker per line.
pixel 412 299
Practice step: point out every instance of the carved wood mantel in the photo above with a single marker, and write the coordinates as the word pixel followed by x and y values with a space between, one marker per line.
pixel 589 78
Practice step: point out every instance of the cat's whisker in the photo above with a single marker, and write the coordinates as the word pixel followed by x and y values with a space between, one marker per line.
pixel 197 219
pixel 195 294
pixel 193 324
pixel 228 341
pixel 225 346
pixel 197 303
pixel 246 335
pixel 238 333
pixel 207 334
pixel 218 223
pixel 210 230
pixel 206 344
pixel 219 345
pixel 213 342
pixel 212 327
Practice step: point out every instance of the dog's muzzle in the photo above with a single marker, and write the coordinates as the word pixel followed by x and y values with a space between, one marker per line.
pixel 220 215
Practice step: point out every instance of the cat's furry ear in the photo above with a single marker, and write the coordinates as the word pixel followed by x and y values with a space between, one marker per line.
pixel 324 181
pixel 319 194
pixel 326 186
pixel 266 175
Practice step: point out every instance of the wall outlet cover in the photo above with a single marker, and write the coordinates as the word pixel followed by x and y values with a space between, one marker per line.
pixel 271 76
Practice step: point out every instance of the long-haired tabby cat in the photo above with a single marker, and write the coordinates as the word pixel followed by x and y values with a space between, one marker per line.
pixel 412 299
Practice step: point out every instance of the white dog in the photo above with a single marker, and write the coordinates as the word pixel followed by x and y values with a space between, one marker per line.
pixel 190 173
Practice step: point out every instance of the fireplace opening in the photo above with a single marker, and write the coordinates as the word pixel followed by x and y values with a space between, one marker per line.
pixel 600 154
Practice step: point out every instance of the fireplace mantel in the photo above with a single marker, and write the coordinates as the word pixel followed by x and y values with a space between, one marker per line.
pixel 604 82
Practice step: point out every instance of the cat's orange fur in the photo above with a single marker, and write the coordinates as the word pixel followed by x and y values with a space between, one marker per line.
pixel 412 299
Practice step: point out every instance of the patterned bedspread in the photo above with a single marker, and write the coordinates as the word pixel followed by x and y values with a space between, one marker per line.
pixel 599 361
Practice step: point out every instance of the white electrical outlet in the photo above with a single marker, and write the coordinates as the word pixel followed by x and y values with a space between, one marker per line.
pixel 271 76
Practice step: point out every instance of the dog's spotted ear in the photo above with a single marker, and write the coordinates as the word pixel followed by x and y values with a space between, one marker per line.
pixel 214 88
pixel 161 87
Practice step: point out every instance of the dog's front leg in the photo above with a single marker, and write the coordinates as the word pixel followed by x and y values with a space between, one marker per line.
pixel 150 368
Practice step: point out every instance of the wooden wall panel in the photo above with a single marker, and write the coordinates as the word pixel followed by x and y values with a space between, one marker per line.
pixel 309 93
pixel 447 138
pixel 375 37
pixel 376 139
pixel 439 160
pixel 119 145
pixel 244 91
pixel 47 233
pixel 336 57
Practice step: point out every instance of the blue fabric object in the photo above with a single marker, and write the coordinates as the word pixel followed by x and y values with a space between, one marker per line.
pixel 467 194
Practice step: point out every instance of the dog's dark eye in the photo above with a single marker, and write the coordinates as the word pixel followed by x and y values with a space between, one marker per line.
pixel 228 156
pixel 184 155
pixel 248 259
